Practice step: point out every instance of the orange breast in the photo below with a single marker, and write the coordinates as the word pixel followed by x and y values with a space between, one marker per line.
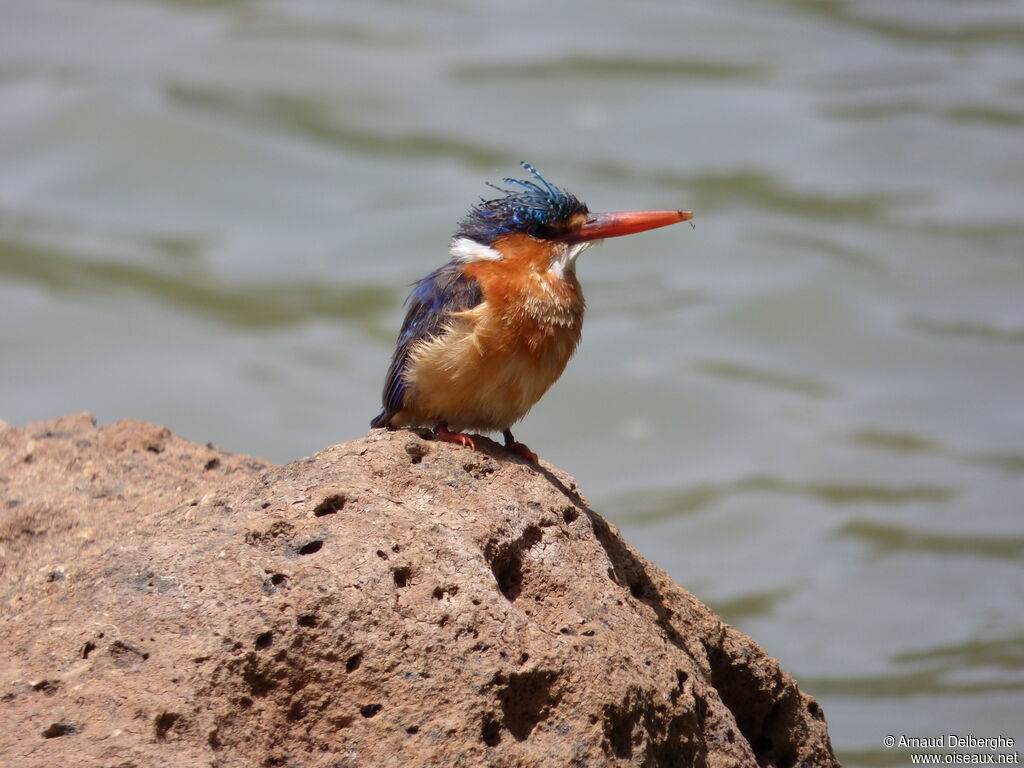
pixel 497 359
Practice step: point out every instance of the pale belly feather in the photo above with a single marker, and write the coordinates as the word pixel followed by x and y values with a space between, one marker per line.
pixel 486 372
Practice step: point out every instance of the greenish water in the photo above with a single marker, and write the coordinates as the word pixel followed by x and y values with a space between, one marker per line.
pixel 808 409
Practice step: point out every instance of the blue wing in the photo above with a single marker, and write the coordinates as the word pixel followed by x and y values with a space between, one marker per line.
pixel 431 300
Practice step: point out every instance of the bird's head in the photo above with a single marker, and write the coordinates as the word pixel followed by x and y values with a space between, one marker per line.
pixel 539 224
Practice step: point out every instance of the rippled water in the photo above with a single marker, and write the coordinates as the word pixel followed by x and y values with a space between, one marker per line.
pixel 808 409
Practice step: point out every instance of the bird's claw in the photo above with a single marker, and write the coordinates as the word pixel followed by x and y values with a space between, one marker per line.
pixel 523 451
pixel 511 444
pixel 446 435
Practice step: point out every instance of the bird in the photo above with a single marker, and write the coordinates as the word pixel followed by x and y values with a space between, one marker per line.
pixel 488 333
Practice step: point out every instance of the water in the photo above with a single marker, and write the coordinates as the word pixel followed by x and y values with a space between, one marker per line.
pixel 808 409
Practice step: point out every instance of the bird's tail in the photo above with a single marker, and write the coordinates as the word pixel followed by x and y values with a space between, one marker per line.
pixel 380 420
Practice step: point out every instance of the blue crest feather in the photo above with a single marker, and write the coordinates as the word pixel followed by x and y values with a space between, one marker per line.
pixel 537 208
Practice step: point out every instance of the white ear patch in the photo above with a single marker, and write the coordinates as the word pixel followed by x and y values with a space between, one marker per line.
pixel 564 259
pixel 463 249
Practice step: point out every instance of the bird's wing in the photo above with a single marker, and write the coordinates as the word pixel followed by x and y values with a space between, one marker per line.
pixel 431 301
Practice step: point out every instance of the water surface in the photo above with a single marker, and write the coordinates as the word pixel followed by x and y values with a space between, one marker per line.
pixel 807 409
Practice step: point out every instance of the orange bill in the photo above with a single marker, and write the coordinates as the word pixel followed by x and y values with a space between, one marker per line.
pixel 602 225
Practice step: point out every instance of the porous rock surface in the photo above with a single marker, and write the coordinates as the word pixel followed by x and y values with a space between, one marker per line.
pixel 391 601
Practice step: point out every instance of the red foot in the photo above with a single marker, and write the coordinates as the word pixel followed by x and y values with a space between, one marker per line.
pixel 523 451
pixel 446 435
pixel 520 448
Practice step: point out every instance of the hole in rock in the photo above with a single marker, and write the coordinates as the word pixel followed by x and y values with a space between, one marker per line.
pixel 312 547
pixel 506 561
pixel 490 730
pixel 264 640
pixel 526 700
pixel 401 576
pixel 274 581
pixel 55 730
pixel 163 722
pixel 330 505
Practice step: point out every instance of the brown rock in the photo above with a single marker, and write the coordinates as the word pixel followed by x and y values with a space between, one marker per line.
pixel 387 602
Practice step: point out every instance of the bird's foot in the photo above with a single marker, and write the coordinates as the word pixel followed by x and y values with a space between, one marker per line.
pixel 447 436
pixel 520 448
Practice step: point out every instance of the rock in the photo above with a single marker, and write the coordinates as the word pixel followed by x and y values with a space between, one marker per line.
pixel 391 601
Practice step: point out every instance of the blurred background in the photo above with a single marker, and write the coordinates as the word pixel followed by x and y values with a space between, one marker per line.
pixel 808 409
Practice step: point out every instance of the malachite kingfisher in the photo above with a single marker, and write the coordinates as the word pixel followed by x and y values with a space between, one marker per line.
pixel 488 333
